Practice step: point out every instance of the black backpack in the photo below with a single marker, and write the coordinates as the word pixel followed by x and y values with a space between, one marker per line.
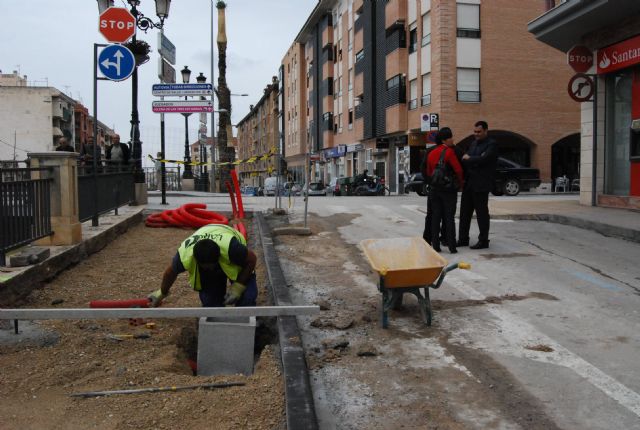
pixel 443 177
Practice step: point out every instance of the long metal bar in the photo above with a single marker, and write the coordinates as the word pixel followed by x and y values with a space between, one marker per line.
pixel 594 152
pixel 81 313
pixel 95 217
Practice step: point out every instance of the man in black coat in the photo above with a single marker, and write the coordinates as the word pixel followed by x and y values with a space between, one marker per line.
pixel 480 166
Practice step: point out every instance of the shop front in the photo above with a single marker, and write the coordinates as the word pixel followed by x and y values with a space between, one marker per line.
pixel 334 162
pixel 618 65
pixel 608 36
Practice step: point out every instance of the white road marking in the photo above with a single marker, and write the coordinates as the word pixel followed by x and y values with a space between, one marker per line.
pixel 517 333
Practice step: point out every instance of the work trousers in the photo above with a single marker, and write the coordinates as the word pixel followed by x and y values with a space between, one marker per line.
pixel 444 211
pixel 474 201
pixel 213 296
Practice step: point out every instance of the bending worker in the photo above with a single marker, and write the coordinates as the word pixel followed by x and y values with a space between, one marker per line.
pixel 214 255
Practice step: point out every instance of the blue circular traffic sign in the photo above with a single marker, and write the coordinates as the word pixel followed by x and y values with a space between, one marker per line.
pixel 116 62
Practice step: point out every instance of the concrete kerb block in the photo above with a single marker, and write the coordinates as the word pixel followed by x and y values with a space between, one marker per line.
pixel 225 345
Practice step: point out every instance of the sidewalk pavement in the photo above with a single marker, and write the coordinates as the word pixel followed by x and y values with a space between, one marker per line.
pixel 562 209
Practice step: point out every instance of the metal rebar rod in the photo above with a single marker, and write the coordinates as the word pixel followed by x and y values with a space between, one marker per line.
pixel 156 389
pixel 80 313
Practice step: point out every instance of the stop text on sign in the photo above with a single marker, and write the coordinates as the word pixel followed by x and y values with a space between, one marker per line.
pixel 115 25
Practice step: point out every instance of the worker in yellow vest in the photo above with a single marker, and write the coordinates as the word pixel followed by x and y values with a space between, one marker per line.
pixel 214 256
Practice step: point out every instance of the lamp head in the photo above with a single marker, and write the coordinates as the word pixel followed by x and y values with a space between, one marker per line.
pixel 162 8
pixel 186 74
pixel 201 78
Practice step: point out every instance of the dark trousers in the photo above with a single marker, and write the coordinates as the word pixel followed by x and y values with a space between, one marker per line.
pixel 213 296
pixel 426 234
pixel 474 201
pixel 444 211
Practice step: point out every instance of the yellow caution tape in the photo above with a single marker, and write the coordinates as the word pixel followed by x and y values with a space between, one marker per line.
pixel 249 160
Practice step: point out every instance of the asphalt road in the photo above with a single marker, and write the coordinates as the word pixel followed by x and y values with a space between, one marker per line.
pixel 560 305
pixel 566 322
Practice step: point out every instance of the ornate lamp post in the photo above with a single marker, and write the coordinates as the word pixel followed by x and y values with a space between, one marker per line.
pixel 202 146
pixel 188 173
pixel 145 24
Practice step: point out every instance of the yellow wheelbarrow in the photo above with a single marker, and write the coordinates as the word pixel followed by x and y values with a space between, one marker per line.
pixel 405 265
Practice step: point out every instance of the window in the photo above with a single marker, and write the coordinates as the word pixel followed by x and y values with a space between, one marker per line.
pixel 393 82
pixel 350 79
pixel 359 55
pixel 350 36
pixel 327 116
pixel 413 94
pixel 413 40
pixel 468 85
pixel 426 28
pixel 468 20
pixel 350 119
pixel 426 89
pixel 339 123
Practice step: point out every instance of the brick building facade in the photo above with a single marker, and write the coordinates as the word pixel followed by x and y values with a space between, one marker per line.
pixel 361 74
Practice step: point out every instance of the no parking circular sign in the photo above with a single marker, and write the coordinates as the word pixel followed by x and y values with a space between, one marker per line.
pixel 580 87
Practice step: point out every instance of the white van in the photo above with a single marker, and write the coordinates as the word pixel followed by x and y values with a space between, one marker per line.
pixel 270 185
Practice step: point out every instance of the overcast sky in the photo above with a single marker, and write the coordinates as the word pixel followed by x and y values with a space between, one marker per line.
pixel 51 41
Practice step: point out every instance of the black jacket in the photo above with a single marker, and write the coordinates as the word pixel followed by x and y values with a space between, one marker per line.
pixel 480 168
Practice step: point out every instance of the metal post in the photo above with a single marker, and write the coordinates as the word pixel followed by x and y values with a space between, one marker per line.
pixel 163 169
pixel 94 218
pixel 306 191
pixel 188 174
pixel 594 167
pixel 213 103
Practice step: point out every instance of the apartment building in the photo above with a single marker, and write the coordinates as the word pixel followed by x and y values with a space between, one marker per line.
pixel 258 134
pixel 361 75
pixel 34 118
pixel 610 160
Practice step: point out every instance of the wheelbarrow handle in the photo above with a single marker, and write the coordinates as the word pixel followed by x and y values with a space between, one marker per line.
pixel 449 268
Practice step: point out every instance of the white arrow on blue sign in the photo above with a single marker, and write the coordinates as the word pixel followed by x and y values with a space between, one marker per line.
pixel 182 89
pixel 116 62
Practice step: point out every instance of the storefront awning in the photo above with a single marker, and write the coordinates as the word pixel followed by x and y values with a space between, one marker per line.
pixel 564 26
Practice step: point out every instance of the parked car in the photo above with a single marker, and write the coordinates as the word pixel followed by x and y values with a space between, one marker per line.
pixel 315 189
pixel 416 184
pixel 270 185
pixel 510 179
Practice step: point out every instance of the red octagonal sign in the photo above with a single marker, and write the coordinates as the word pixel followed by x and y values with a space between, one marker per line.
pixel 117 24
pixel 580 58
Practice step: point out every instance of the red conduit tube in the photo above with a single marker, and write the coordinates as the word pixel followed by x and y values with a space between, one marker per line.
pixel 233 200
pixel 242 229
pixel 234 177
pixel 211 217
pixel 132 303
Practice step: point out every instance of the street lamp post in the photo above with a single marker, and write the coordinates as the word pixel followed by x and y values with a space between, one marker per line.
pixel 145 24
pixel 188 173
pixel 202 145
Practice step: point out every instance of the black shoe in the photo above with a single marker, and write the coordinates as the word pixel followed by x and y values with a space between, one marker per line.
pixel 436 248
pixel 482 244
pixel 462 243
pixel 453 250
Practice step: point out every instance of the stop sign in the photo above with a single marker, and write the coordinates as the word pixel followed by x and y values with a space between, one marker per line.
pixel 580 58
pixel 117 24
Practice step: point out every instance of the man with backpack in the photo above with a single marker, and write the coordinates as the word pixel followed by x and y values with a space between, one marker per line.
pixel 446 178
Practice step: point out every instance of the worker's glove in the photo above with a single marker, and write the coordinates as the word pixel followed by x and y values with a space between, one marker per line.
pixel 234 292
pixel 156 298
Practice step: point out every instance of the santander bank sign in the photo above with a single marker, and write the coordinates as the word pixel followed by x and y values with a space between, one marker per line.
pixel 619 56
